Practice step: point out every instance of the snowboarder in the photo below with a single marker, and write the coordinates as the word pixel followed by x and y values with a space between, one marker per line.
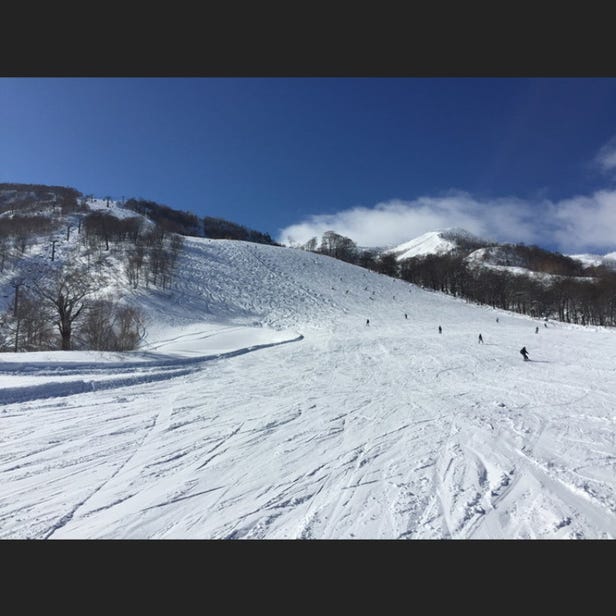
pixel 367 321
pixel 537 329
pixel 480 338
pixel 440 329
pixel 524 353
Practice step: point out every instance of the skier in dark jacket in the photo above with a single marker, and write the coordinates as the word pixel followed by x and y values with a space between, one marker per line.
pixel 480 338
pixel 367 321
pixel 537 329
pixel 524 353
pixel 440 329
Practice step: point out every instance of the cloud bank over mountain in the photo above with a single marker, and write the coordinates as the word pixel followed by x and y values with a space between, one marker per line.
pixel 580 223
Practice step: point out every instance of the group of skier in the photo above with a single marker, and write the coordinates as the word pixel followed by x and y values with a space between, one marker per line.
pixel 523 350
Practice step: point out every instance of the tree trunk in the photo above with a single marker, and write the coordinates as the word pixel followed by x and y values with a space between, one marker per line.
pixel 66 339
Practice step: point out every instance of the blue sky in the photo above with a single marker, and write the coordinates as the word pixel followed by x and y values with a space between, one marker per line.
pixel 381 160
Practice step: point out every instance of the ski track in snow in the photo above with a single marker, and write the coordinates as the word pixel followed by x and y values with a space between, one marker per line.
pixel 386 431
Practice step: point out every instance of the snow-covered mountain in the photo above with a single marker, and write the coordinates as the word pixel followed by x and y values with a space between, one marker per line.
pixel 428 243
pixel 608 260
pixel 264 405
pixel 433 242
pixel 504 259
pixel 481 253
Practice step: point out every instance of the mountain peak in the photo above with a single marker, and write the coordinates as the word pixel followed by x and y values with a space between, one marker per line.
pixel 434 242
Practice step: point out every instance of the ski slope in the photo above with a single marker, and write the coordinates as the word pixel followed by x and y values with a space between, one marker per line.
pixel 263 407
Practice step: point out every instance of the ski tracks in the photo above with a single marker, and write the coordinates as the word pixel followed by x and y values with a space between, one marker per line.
pixel 160 423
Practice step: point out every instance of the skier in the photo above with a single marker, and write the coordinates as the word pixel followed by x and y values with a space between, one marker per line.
pixel 497 319
pixel 524 353
pixel 537 329
pixel 406 316
pixel 367 321
pixel 440 329
pixel 545 325
pixel 480 338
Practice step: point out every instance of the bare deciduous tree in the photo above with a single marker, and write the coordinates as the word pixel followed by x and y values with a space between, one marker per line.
pixel 109 326
pixel 66 293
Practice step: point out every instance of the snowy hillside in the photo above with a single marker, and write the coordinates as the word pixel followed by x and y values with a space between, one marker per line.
pixel 435 243
pixel 426 244
pixel 609 259
pixel 264 406
pixel 482 254
pixel 501 259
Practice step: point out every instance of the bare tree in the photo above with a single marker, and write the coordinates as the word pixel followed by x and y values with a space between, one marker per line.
pixel 388 265
pixel 26 325
pixel 310 245
pixel 134 264
pixel 109 326
pixel 338 246
pixel 33 330
pixel 66 294
pixel 128 327
pixel 4 253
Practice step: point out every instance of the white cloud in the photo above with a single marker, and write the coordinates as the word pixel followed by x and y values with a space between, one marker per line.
pixel 606 157
pixel 398 221
pixel 582 223
pixel 586 223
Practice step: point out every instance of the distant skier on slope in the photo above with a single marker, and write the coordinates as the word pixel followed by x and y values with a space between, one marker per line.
pixel 480 339
pixel 440 329
pixel 524 353
pixel 367 321
pixel 537 329
pixel 406 316
pixel 497 319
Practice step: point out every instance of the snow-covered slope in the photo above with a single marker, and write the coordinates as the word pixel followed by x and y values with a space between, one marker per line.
pixel 503 259
pixel 264 406
pixel 433 242
pixel 588 260
pixel 426 244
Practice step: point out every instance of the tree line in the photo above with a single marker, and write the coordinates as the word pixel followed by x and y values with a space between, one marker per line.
pixel 187 223
pixel 35 198
pixel 585 300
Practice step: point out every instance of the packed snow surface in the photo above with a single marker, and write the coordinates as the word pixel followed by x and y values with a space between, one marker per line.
pixel 263 406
